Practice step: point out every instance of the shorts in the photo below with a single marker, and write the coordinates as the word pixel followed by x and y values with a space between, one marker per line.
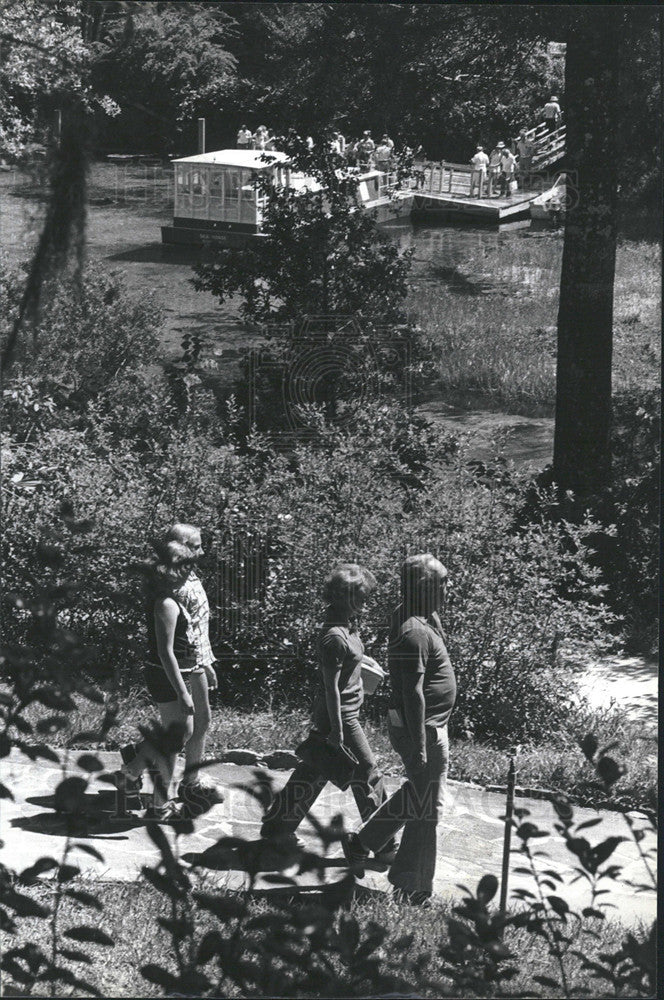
pixel 158 685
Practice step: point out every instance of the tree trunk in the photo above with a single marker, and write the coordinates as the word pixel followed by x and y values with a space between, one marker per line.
pixel 582 451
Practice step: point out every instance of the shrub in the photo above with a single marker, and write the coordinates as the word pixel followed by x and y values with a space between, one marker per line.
pixel 632 570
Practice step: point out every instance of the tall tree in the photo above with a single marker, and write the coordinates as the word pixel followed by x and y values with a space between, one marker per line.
pixel 582 447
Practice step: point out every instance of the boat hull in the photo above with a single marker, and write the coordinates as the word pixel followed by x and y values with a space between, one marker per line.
pixel 195 232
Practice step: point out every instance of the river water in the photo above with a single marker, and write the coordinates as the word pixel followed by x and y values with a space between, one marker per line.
pixel 128 205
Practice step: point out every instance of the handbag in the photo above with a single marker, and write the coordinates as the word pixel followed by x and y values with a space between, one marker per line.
pixel 336 764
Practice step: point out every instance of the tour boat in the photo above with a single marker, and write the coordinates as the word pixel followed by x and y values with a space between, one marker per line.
pixel 551 204
pixel 217 195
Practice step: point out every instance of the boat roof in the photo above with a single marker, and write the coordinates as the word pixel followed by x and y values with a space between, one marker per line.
pixel 249 159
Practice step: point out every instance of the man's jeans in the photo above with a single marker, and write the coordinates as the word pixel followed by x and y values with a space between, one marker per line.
pixel 298 795
pixel 417 807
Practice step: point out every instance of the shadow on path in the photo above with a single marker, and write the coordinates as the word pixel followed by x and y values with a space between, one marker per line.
pixel 97 817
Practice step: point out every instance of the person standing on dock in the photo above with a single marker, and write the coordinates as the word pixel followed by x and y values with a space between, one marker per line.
pixel 261 137
pixel 480 165
pixel 507 172
pixel 382 156
pixel 337 144
pixel 366 149
pixel 525 150
pixel 244 138
pixel 495 167
pixel 552 113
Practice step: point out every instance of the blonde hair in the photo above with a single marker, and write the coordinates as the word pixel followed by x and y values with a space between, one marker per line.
pixel 348 585
pixel 165 573
pixel 177 532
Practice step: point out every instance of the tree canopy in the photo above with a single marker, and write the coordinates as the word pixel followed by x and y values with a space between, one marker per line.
pixel 441 75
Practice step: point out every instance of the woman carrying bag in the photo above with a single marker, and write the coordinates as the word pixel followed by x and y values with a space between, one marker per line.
pixel 336 720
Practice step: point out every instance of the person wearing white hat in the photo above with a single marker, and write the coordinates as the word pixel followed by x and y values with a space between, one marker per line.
pixel 480 164
pixel 507 172
pixel 552 113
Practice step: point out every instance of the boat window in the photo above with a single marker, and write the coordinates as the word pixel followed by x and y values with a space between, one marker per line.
pixel 197 182
pixel 184 180
pixel 216 184
pixel 232 184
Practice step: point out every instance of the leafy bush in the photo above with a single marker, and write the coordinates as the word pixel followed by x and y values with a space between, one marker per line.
pixel 88 346
pixel 632 570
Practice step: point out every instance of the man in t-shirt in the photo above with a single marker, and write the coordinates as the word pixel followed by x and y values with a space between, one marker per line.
pixel 525 150
pixel 244 138
pixel 382 156
pixel 480 164
pixel 366 149
pixel 507 172
pixel 422 698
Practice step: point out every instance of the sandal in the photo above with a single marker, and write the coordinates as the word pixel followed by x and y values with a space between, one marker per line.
pixel 170 812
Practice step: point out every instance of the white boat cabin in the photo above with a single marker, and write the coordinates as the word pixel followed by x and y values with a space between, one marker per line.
pixel 222 187
pixel 218 194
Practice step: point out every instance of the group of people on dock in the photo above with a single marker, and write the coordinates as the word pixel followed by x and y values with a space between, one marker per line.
pixel 494 175
pixel 179 673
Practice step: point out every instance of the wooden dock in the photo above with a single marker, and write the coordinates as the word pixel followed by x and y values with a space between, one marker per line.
pixel 492 210
pixel 444 192
pixel 452 190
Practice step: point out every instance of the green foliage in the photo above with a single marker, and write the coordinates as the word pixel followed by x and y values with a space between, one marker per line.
pixel 88 340
pixel 319 255
pixel 631 568
pixel 164 67
pixel 42 67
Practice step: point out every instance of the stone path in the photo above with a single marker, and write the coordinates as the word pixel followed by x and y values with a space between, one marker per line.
pixel 470 838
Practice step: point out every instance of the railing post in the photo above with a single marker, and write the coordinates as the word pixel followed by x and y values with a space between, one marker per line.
pixel 442 176
pixel 507 839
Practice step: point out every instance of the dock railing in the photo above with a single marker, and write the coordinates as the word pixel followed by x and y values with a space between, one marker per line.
pixel 446 178
pixel 460 179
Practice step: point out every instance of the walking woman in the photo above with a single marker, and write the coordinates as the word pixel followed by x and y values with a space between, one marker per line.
pixel 171 659
pixel 423 692
pixel 336 710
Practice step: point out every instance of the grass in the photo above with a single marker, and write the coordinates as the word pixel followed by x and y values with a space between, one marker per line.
pixel 130 918
pixel 494 326
pixel 558 764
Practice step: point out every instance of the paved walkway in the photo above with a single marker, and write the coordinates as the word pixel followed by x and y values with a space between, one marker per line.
pixel 470 839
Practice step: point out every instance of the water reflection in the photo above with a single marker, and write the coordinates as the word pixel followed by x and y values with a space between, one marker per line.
pixel 478 261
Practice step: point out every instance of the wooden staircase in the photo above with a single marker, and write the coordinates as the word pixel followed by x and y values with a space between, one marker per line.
pixel 549 146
